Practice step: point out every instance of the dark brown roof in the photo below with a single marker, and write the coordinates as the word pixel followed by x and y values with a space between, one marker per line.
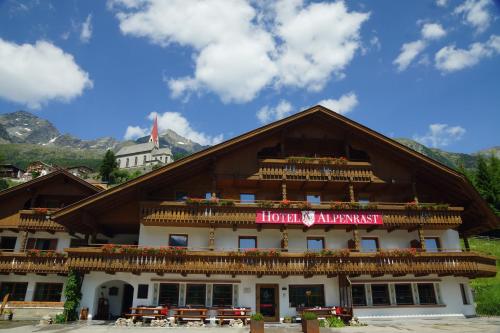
pixel 491 220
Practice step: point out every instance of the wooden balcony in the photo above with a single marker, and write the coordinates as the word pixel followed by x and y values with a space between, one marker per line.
pixel 324 170
pixel 22 262
pixel 38 219
pixel 395 216
pixel 232 263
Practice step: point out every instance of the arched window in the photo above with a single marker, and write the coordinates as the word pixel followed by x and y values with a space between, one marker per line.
pixel 144 160
pixel 126 165
pixel 135 161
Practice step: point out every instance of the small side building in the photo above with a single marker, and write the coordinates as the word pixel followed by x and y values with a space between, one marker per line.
pixel 10 171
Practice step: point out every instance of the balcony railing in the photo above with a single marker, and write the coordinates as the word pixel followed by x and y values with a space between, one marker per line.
pixel 235 212
pixel 320 169
pixel 22 262
pixel 286 263
pixel 38 219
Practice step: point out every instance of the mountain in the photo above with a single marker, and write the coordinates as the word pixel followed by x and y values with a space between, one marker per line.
pixel 25 137
pixel 453 160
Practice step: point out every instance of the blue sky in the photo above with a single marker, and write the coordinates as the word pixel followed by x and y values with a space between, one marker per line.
pixel 426 69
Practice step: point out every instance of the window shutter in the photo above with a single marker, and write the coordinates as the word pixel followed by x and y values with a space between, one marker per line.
pixel 53 244
pixel 31 243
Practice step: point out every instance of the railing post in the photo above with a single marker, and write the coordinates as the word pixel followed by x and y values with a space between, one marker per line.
pixel 355 235
pixel 211 238
pixel 466 243
pixel 421 237
pixel 351 192
pixel 283 190
pixel 284 239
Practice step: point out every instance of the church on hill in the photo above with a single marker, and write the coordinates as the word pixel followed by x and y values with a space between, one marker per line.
pixel 144 154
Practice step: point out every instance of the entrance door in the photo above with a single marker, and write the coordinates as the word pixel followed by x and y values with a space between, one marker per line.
pixel 128 296
pixel 268 301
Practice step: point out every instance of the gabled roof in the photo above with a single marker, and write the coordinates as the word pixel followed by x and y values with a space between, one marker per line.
pixel 41 179
pixel 136 149
pixel 423 161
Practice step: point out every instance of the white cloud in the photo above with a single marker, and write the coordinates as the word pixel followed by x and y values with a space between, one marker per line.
pixel 345 104
pixel 179 124
pixel 241 47
pixel 33 74
pixel 134 132
pixel 433 31
pixel 86 32
pixel 450 59
pixel 375 42
pixel 442 3
pixel 409 51
pixel 319 41
pixel 440 135
pixel 475 13
pixel 268 114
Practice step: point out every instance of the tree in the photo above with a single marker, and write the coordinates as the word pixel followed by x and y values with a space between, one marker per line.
pixel 73 295
pixel 3 184
pixel 108 166
pixel 487 177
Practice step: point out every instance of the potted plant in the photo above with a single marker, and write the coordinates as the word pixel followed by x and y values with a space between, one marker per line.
pixel 310 323
pixel 8 314
pixel 287 320
pixel 257 323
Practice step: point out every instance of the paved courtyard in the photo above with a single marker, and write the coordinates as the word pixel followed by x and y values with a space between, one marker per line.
pixel 428 325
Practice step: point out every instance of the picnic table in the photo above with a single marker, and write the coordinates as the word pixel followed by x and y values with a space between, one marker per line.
pixel 145 313
pixel 233 313
pixel 190 314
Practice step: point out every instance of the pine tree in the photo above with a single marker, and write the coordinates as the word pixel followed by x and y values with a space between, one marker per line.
pixel 486 181
pixel 108 166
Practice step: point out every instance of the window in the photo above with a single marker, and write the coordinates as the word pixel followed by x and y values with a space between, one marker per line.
pixel 16 290
pixel 358 295
pixel 135 161
pixel 48 292
pixel 380 294
pixel 178 240
pixel 169 294
pixel 369 244
pixel 432 244
pixel 208 195
pixel 222 295
pixel 463 291
pixel 306 295
pixel 247 198
pixel 313 199
pixel 404 295
pixel 118 162
pixel 8 244
pixel 247 242
pixel 144 159
pixel 315 243
pixel 142 291
pixel 180 195
pixel 49 244
pixel 126 164
pixel 195 294
pixel 426 293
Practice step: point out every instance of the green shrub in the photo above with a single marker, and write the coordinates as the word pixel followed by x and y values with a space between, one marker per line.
pixel 257 317
pixel 60 318
pixel 309 316
pixel 334 322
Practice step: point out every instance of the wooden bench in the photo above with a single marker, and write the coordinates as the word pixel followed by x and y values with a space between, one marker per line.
pixel 144 312
pixel 233 314
pixel 190 314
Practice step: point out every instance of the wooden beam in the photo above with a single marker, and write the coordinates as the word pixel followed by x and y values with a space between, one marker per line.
pixel 391 229
pixel 421 274
pixel 235 227
pixel 159 273
pixel 331 275
pixel 370 229
pixel 284 275
pixel 399 274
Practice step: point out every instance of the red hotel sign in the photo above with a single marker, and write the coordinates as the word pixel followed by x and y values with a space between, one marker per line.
pixel 311 217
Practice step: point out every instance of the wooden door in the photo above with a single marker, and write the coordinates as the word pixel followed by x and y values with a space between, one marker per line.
pixel 267 301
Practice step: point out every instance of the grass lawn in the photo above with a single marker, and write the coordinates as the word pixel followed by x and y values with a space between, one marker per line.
pixel 487 290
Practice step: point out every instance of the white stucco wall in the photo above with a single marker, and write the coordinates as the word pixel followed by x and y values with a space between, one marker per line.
pixel 32 279
pixel 449 292
pixel 226 238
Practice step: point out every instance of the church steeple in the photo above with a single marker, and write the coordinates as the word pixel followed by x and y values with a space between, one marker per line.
pixel 154 134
